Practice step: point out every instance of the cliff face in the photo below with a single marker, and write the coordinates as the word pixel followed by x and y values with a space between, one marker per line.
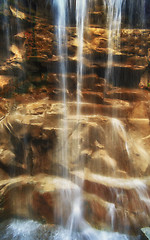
pixel 114 127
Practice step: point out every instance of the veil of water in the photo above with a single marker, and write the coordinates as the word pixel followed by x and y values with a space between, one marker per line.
pixel 61 8
pixel 81 10
pixel 76 218
pixel 114 9
pixel 61 19
pixel 118 127
pixel 73 225
pixel 114 14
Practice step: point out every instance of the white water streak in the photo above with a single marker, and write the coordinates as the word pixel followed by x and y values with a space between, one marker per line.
pixel 76 221
pixel 142 191
pixel 112 214
pixel 81 9
pixel 118 126
pixel 61 8
pixel 114 14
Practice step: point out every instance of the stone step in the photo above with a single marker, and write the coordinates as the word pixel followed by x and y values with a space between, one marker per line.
pixel 123 199
pixel 130 95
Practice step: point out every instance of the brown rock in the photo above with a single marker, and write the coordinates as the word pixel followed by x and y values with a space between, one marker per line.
pixel 3 175
pixel 35 197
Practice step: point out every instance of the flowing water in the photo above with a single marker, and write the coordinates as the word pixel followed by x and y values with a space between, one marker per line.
pixel 114 10
pixel 119 128
pixel 76 227
pixel 114 17
pixel 61 17
pixel 61 7
pixel 81 11
pixel 76 220
pixel 31 230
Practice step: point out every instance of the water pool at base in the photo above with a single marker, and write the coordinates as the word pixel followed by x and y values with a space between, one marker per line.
pixel 18 229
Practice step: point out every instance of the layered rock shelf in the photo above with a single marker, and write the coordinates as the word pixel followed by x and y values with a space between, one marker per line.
pixel 114 122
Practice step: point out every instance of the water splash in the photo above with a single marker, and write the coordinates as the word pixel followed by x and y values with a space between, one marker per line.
pixel 18 229
pixel 21 230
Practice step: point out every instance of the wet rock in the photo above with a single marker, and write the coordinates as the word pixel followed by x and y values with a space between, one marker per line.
pixel 32 131
pixel 34 197
pixel 111 146
pixel 3 175
pixel 145 233
pixel 102 162
pixel 126 94
pixel 116 200
pixel 92 97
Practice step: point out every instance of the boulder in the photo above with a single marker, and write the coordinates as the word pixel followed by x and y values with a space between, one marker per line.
pixel 36 197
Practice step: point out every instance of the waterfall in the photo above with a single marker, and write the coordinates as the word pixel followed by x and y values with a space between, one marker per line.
pixel 114 9
pixel 114 14
pixel 120 130
pixel 67 197
pixel 62 17
pixel 81 10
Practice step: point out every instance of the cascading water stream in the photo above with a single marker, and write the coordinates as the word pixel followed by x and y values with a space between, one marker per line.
pixel 76 227
pixel 114 9
pixel 61 18
pixel 119 128
pixel 61 8
pixel 76 220
pixel 81 10
pixel 114 13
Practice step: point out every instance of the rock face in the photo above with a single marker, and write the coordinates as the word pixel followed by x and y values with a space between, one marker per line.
pixel 108 150
pixel 113 150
